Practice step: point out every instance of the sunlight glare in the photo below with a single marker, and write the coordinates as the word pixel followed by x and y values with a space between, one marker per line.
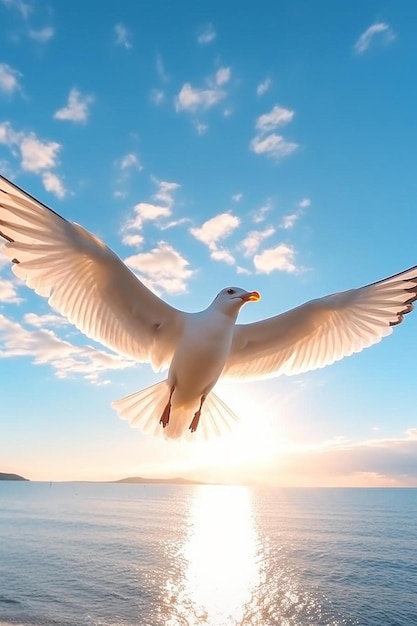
pixel 220 553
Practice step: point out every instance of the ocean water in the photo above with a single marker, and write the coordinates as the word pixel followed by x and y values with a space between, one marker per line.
pixel 156 555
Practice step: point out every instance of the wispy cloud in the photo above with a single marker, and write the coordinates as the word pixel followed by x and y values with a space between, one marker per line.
pixel 149 212
pixel 379 32
pixel 160 68
pixel 41 35
pixel 122 36
pixel 201 128
pixel 289 220
pixel 259 215
pixel 130 161
pixel 268 142
pixel 165 191
pixel 46 320
pixel 77 109
pixel 23 8
pixel 253 240
pixel 237 197
pixel 126 165
pixel 281 258
pixel 9 79
pixel 215 230
pixel 304 203
pixel 163 269
pixel 44 347
pixel 157 96
pixel 206 35
pixel 264 86
pixel 374 462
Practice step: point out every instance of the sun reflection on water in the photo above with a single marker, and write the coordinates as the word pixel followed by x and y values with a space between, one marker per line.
pixel 220 567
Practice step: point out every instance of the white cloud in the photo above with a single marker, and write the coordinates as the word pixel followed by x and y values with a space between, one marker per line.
pixel 134 240
pixel 53 183
pixel 130 161
pixel 122 36
pixel 9 79
pixel 280 258
pixel 8 135
pixel 253 240
pixel 38 156
pixel 304 203
pixel 165 191
pixel 42 35
pixel 223 255
pixel 276 117
pixel 48 319
pixel 223 76
pixel 163 269
pixel 43 346
pixel 144 212
pixel 149 212
pixel 264 87
pixel 8 292
pixel 380 31
pixel 237 197
pixel 216 229
pixel 273 145
pixel 213 231
pixel 77 109
pixel 192 98
pixel 206 35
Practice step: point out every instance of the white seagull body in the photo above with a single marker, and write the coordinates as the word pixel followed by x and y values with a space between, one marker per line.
pixel 87 283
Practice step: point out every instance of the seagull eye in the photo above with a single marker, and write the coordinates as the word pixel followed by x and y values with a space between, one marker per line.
pixel 230 291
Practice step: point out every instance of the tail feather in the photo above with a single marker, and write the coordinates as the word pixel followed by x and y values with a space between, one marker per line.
pixel 143 409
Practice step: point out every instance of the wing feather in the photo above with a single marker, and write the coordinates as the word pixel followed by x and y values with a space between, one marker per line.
pixel 84 280
pixel 322 331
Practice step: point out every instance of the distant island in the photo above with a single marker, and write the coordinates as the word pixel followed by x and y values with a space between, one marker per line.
pixel 166 481
pixel 11 477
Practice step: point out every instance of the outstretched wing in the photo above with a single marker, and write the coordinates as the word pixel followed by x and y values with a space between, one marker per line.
pixel 322 331
pixel 84 280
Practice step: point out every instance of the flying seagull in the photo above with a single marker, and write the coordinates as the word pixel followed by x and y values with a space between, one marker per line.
pixel 89 284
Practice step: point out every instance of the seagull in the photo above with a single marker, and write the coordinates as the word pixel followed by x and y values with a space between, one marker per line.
pixel 89 284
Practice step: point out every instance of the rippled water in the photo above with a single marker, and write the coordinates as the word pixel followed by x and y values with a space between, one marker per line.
pixel 155 555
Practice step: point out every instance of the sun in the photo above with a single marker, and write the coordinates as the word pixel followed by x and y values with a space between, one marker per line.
pixel 252 445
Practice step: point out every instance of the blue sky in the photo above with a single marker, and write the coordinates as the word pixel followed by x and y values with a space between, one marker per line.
pixel 270 146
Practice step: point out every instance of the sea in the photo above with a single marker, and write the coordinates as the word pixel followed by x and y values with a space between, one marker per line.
pixel 104 554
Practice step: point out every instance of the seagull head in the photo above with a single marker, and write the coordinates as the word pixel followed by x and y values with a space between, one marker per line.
pixel 231 299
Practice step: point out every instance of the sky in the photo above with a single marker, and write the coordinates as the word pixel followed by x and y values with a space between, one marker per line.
pixel 266 145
